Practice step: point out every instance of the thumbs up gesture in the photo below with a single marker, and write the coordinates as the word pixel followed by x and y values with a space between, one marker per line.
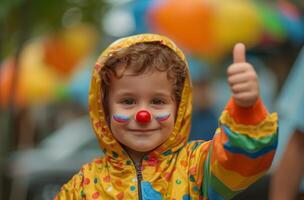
pixel 242 78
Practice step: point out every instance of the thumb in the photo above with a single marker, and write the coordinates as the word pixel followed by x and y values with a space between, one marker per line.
pixel 239 54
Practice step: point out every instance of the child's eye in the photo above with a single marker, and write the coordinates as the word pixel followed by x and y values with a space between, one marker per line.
pixel 158 101
pixel 127 101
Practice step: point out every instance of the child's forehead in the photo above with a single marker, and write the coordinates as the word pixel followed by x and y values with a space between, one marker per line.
pixel 126 71
pixel 145 83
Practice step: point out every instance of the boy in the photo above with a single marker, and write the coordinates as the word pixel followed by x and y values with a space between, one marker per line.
pixel 140 108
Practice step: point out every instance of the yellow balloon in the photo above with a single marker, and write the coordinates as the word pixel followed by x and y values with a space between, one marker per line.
pixel 37 80
pixel 80 40
pixel 236 21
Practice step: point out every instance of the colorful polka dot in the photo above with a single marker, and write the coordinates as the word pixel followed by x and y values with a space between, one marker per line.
pixel 159 169
pixel 82 194
pixel 192 179
pixel 132 188
pixel 107 179
pixel 167 152
pixel 98 125
pixel 168 176
pixel 184 163
pixel 86 181
pixel 192 170
pixel 118 183
pixel 95 195
pixel 178 181
pixel 115 155
pixel 120 195
pixel 109 189
pixel 187 197
pixel 195 189
pixel 95 180
pixel 99 161
pixel 129 162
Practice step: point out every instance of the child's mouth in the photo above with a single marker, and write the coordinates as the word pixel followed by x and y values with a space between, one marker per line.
pixel 144 130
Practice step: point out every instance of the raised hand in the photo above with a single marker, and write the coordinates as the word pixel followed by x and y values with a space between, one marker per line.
pixel 242 78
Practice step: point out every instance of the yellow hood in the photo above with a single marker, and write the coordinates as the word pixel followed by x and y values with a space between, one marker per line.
pixel 240 152
pixel 106 140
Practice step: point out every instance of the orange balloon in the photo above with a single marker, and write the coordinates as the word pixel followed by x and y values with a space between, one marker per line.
pixel 7 71
pixel 189 23
pixel 56 55
pixel 64 50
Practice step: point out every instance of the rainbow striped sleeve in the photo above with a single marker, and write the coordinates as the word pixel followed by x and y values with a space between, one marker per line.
pixel 241 151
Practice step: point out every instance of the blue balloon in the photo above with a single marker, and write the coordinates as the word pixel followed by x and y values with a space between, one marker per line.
pixel 79 86
pixel 139 9
pixel 199 69
pixel 294 27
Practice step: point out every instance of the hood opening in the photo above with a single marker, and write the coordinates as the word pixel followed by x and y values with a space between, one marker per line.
pixel 113 62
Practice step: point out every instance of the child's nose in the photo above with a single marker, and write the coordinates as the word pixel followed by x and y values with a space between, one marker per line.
pixel 143 116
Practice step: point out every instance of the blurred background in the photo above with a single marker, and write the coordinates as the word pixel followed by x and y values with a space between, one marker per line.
pixel 48 48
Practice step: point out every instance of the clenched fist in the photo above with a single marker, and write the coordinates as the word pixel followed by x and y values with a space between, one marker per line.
pixel 242 78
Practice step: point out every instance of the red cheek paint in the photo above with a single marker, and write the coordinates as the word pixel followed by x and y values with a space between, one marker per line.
pixel 121 118
pixel 162 117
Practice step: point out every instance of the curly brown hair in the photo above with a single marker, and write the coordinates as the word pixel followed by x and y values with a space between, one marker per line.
pixel 141 58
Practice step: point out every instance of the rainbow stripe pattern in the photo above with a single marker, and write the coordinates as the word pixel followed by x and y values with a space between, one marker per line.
pixel 241 151
pixel 121 118
pixel 162 117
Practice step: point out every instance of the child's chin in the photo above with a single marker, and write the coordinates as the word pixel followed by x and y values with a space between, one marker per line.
pixel 144 148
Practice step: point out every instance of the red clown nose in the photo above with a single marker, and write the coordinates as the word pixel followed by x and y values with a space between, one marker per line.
pixel 143 116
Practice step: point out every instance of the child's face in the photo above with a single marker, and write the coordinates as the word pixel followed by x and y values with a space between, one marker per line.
pixel 152 92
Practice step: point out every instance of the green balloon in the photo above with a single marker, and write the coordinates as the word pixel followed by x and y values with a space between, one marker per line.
pixel 270 17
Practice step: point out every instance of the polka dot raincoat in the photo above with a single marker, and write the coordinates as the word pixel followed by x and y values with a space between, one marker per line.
pixel 239 154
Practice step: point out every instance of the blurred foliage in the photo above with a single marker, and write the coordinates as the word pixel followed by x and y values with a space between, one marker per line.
pixel 22 19
pixel 298 3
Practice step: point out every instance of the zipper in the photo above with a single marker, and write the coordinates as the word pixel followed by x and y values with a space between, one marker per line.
pixel 137 166
pixel 139 178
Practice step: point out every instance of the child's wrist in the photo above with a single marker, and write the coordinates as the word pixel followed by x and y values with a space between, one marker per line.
pixel 247 115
